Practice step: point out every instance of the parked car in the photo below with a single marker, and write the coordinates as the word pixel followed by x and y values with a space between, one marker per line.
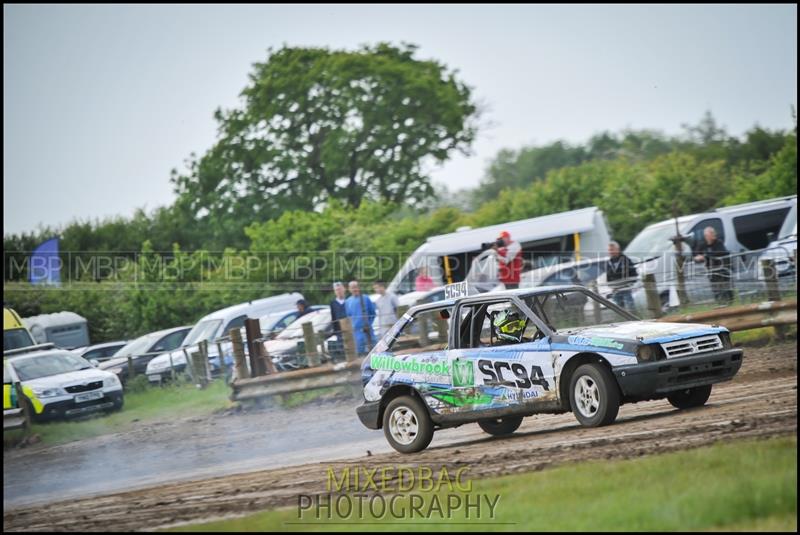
pixel 212 327
pixel 273 323
pixel 783 253
pixel 99 353
pixel 57 383
pixel 516 353
pixel 287 350
pixel 144 349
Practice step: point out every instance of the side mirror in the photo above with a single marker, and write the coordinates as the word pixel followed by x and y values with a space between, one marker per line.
pixel 770 237
pixel 94 362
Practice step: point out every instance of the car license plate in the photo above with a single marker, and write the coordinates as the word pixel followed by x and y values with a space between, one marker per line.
pixel 154 378
pixel 88 396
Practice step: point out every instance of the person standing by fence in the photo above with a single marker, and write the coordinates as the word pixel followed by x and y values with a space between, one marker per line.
pixel 386 306
pixel 361 312
pixel 718 263
pixel 620 275
pixel 338 311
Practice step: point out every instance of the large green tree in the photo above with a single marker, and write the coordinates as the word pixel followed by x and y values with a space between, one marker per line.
pixel 318 124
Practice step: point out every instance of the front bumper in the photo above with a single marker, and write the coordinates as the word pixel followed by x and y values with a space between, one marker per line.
pixel 369 414
pixel 68 408
pixel 646 380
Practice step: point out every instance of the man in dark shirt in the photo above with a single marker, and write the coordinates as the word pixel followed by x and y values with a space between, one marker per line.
pixel 718 263
pixel 620 273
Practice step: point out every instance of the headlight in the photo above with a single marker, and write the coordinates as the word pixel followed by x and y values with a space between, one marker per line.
pixel 49 392
pixel 648 352
pixel 111 382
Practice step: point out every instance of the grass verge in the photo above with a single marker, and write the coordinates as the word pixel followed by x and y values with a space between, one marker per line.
pixel 151 404
pixel 742 485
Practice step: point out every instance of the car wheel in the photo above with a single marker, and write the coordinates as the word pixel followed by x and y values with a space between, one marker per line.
pixel 501 426
pixel 690 397
pixel 594 395
pixel 28 407
pixel 407 425
pixel 118 404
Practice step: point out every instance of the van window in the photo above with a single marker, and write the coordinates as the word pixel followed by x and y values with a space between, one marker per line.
pixel 752 230
pixel 236 323
pixel 696 232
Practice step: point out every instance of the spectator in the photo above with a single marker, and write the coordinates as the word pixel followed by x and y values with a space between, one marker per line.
pixel 620 273
pixel 386 306
pixel 338 312
pixel 509 259
pixel 302 308
pixel 361 312
pixel 423 282
pixel 718 264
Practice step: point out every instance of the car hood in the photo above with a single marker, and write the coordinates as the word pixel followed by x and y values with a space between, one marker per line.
pixel 644 331
pixel 278 347
pixel 113 363
pixel 69 379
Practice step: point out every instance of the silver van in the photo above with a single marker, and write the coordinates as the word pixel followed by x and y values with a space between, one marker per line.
pixel 745 229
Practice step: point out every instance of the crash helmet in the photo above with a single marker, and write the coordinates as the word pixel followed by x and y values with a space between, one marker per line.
pixel 509 325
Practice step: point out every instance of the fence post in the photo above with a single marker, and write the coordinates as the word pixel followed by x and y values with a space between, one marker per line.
pixel 423 330
pixel 651 291
pixel 310 340
pixel 597 314
pixel 201 380
pixel 348 340
pixel 189 365
pixel 222 368
pixel 773 290
pixel 206 370
pixel 24 406
pixel 131 369
pixel 238 354
pixel 252 329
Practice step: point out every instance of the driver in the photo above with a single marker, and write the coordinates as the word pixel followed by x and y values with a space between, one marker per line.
pixel 508 325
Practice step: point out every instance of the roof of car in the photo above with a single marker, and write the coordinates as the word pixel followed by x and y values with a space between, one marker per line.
pixel 489 296
pixel 39 353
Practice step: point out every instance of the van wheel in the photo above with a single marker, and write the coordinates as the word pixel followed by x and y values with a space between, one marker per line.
pixel 407 425
pixel 594 395
pixel 501 426
pixel 690 397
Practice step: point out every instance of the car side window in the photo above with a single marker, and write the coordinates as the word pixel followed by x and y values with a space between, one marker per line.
pixel 287 320
pixel 697 231
pixel 235 323
pixel 426 331
pixel 495 324
pixel 170 342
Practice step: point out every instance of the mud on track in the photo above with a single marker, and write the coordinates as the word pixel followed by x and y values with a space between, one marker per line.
pixel 760 402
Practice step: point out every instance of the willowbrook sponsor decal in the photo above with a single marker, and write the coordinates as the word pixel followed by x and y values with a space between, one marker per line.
pixel 409 365
pixel 594 341
pixel 396 493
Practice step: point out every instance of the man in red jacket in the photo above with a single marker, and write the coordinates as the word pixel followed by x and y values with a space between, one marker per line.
pixel 509 260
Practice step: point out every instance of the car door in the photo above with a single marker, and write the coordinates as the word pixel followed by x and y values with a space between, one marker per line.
pixel 490 373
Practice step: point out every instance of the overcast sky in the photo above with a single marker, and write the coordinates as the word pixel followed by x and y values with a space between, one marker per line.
pixel 100 102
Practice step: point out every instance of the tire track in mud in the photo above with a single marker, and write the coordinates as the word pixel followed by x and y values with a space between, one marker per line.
pixel 761 402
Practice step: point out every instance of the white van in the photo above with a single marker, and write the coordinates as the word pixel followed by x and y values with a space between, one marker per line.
pixel 213 326
pixel 67 330
pixel 545 240
pixel 745 229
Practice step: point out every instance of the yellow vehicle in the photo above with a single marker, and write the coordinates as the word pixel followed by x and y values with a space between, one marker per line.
pixel 15 335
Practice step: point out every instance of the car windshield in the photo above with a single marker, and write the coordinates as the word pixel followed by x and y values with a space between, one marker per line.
pixel 652 241
pixel 319 319
pixel 571 309
pixel 28 368
pixel 205 330
pixel 15 339
pixel 136 347
pixel 270 321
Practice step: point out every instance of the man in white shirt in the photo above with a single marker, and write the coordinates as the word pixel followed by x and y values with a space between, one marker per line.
pixel 386 307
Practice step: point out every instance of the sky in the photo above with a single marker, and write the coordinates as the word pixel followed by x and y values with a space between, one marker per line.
pixel 101 102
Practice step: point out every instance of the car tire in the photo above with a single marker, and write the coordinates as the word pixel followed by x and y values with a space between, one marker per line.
pixel 690 397
pixel 406 424
pixel 501 426
pixel 118 404
pixel 594 395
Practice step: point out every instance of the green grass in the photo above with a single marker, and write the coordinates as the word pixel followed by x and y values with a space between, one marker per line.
pixel 150 404
pixel 743 485
pixel 762 336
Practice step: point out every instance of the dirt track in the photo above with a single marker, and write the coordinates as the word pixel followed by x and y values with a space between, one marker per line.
pixel 760 402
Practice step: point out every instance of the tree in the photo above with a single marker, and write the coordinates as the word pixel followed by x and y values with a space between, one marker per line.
pixel 318 124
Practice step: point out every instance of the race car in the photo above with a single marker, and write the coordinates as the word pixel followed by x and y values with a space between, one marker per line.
pixel 515 353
